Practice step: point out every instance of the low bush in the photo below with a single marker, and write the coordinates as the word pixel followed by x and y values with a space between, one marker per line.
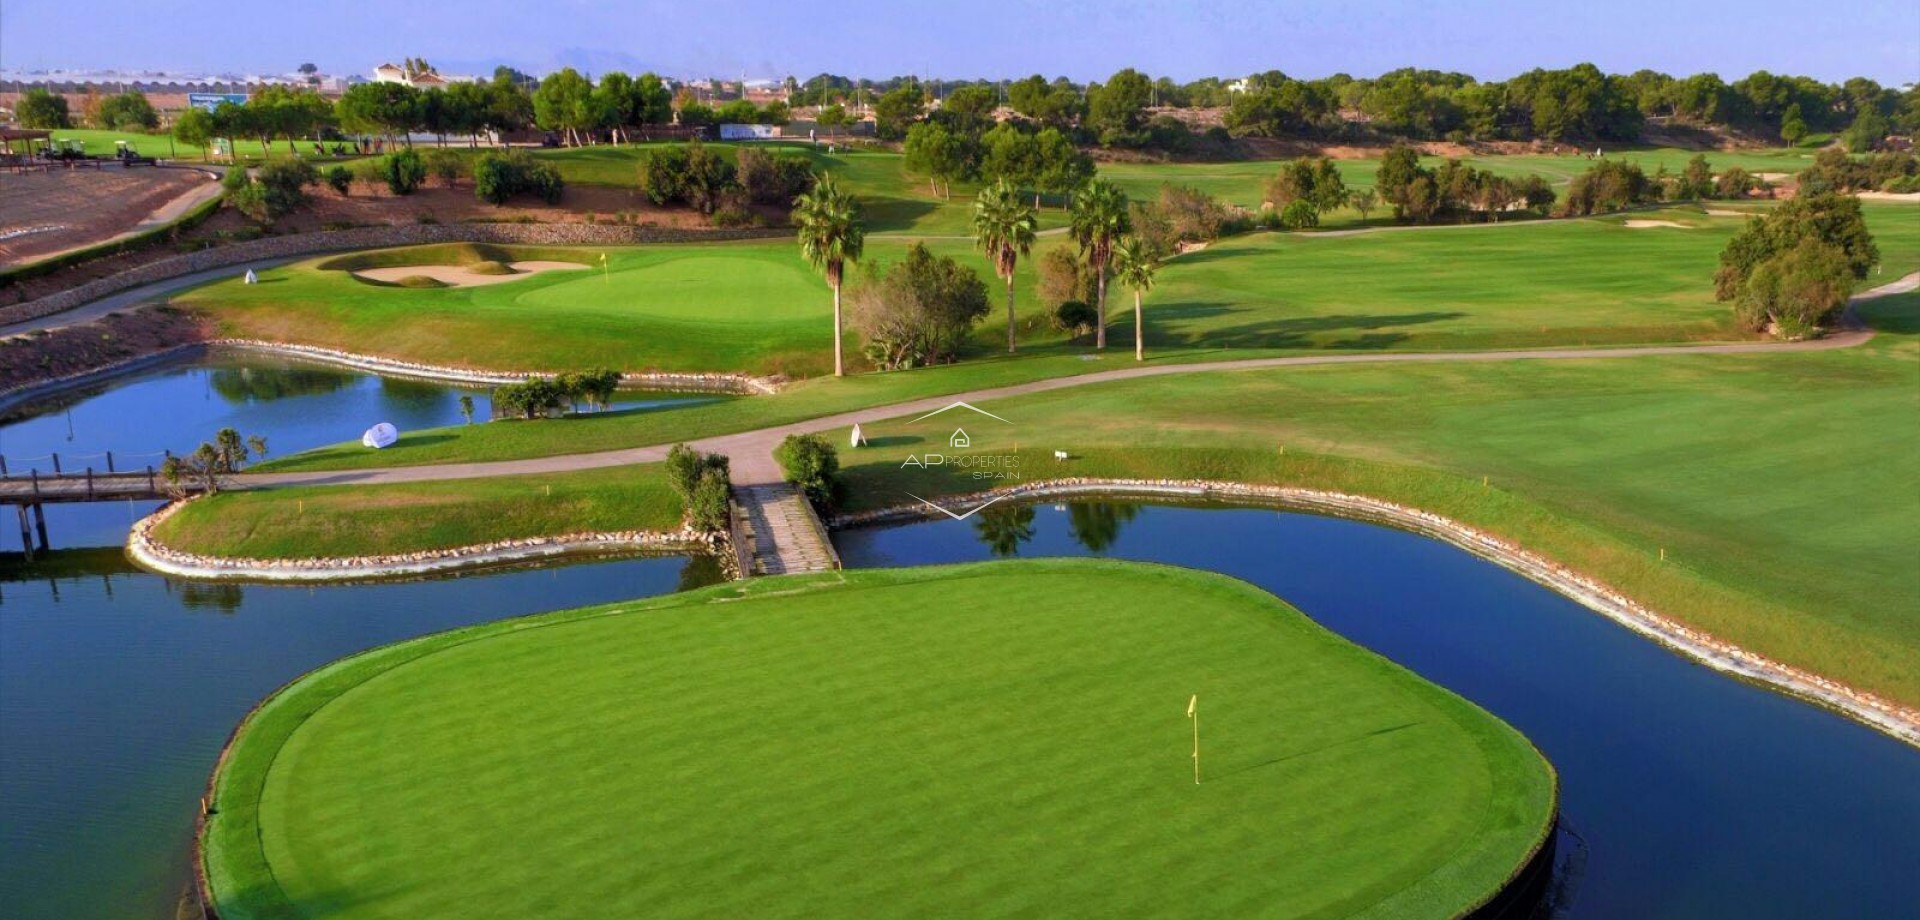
pixel 810 462
pixel 403 172
pixel 500 176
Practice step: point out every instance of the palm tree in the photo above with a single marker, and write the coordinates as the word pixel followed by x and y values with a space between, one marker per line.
pixel 1100 218
pixel 831 235
pixel 1134 263
pixel 1004 225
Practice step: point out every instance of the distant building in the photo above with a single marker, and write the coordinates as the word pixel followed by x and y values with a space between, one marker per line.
pixel 390 73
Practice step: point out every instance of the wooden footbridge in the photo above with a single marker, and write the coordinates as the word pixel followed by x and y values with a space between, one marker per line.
pixel 31 491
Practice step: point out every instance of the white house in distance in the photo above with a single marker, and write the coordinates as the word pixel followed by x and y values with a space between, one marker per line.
pixel 390 73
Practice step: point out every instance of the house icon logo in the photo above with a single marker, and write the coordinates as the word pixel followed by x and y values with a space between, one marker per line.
pixel 960 438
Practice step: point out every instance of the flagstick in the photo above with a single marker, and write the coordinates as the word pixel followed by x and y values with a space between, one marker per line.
pixel 1193 712
pixel 1196 748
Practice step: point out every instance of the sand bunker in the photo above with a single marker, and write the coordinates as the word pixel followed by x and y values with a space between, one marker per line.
pixel 461 276
pixel 1643 224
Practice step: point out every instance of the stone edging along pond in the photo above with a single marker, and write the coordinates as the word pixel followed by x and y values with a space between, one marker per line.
pixel 1899 721
pixel 149 553
pixel 734 384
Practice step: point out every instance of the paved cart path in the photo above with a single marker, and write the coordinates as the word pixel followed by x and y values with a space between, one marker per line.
pixel 751 452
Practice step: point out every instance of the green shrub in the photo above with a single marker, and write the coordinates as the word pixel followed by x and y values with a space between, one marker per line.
pixel 529 399
pixel 686 466
pixel 1075 316
pixel 1299 215
pixel 500 176
pixel 707 508
pixel 403 172
pixel 283 184
pixel 446 165
pixel 341 178
pixel 810 462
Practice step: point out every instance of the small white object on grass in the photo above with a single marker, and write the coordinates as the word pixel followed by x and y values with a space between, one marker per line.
pixel 381 435
pixel 859 439
pixel 252 278
pixel 1059 455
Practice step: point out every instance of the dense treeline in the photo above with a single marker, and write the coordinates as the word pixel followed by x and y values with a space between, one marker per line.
pixel 1574 105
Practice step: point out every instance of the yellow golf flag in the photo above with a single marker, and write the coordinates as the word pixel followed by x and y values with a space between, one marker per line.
pixel 1193 704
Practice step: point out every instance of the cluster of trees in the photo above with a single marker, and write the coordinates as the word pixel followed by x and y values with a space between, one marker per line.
pixel 1791 270
pixel 711 182
pixel 542 396
pixel 1454 190
pixel 1303 190
pixel 692 112
pixel 211 462
pixel 919 311
pixel 577 109
pixel 965 143
pixel 1575 104
pixel 1887 171
pixel 128 111
pixel 1697 182
pixel 704 483
pixel 275 191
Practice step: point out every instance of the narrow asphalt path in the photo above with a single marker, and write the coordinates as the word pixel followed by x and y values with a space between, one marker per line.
pixel 141 296
pixel 751 452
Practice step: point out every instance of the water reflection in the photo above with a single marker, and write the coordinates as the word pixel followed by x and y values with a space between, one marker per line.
pixel 1096 525
pixel 253 384
pixel 1003 528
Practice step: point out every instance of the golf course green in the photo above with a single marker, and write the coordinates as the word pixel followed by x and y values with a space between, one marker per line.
pixel 412 517
pixel 1005 738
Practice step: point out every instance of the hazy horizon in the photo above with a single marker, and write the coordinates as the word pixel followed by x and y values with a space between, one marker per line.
pixel 1080 39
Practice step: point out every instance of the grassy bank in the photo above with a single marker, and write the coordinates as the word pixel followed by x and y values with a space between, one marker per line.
pixel 1780 486
pixel 756 307
pixel 1013 728
pixel 317 521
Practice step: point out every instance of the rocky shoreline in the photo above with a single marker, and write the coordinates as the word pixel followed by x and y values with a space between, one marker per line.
pixel 728 384
pixel 149 553
pixel 1902 722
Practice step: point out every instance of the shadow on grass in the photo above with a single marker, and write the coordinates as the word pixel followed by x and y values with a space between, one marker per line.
pixel 896 215
pixel 1318 750
pixel 1894 314
pixel 1367 330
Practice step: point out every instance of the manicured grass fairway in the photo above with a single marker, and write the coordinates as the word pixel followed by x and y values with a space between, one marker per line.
pixel 1780 485
pixel 403 518
pixel 994 739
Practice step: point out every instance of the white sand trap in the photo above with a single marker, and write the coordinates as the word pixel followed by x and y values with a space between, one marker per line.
pixel 461 276
pixel 1723 212
pixel 1890 196
pixel 1644 224
pixel 1772 176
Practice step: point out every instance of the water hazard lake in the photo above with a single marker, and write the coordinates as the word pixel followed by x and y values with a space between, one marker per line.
pixel 1687 794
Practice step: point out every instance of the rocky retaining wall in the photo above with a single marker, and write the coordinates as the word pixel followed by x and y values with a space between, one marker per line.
pixel 1901 722
pixel 151 554
pixel 303 244
pixel 736 384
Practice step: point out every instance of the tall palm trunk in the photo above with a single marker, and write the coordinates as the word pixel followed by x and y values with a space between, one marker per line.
pixel 1100 330
pixel 1009 312
pixel 1139 330
pixel 839 369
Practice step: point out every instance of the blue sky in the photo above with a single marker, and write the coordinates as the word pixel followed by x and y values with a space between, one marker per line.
pixel 1078 38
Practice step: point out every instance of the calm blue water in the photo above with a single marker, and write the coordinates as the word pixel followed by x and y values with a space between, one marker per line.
pixel 1697 796
pixel 117 687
